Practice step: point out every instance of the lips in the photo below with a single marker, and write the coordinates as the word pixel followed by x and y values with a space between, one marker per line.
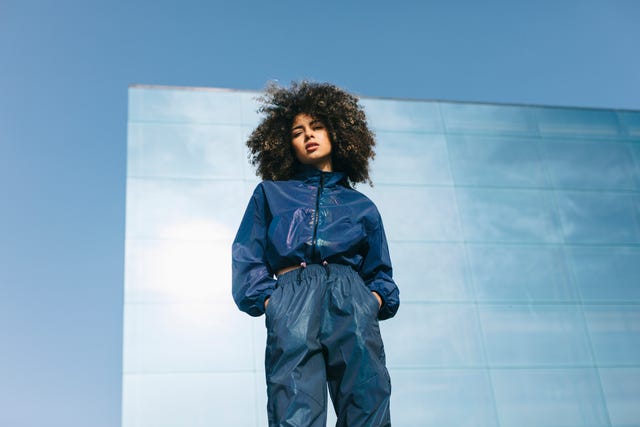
pixel 311 147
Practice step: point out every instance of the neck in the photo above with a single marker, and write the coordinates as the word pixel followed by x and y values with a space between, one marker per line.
pixel 325 166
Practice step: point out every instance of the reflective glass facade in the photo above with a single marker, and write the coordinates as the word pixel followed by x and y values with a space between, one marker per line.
pixel 515 236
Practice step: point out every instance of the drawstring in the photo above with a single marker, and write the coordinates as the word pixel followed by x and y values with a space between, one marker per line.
pixel 303 265
pixel 325 264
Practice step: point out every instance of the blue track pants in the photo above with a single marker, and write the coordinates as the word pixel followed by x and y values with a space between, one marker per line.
pixel 322 328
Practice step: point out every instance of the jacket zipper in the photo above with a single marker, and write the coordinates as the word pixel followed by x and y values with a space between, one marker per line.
pixel 317 214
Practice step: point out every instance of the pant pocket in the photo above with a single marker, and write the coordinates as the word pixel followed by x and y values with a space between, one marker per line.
pixel 370 299
pixel 274 300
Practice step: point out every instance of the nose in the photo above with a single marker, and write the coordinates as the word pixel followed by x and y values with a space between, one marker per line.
pixel 308 133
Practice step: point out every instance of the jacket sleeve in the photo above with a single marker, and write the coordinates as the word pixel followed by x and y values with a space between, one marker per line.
pixel 377 272
pixel 252 278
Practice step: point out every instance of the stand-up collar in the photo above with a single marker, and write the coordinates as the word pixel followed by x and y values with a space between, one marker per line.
pixel 313 176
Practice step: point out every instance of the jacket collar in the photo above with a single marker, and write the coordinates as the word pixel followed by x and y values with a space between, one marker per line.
pixel 313 176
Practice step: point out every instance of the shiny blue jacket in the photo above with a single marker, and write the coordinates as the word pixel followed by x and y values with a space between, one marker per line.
pixel 311 218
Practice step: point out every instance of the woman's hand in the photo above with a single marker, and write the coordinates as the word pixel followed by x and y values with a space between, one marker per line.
pixel 266 303
pixel 375 294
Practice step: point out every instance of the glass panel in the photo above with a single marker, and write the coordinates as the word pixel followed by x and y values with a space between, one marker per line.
pixel 405 116
pixel 184 209
pixel 195 400
pixel 162 271
pixel 577 122
pixel 331 415
pixel 534 335
pixel 607 274
pixel 214 106
pixel 180 317
pixel 599 217
pixel 251 177
pixel 508 216
pixel 259 332
pixel 249 108
pixel 444 335
pixel 630 121
pixel 411 158
pixel 161 338
pixel 441 398
pixel 487 119
pixel 188 151
pixel 590 165
pixel 548 398
pixel 431 272
pixel 416 213
pixel 615 334
pixel 261 401
pixel 521 274
pixel 622 394
pixel 497 161
pixel 635 151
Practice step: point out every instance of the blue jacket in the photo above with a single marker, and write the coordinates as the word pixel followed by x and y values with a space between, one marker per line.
pixel 311 218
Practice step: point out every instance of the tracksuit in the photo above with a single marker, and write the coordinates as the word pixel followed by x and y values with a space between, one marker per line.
pixel 322 318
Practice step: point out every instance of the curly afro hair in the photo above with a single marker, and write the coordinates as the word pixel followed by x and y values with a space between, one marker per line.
pixel 352 142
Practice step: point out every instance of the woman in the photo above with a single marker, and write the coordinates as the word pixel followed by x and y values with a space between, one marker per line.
pixel 325 245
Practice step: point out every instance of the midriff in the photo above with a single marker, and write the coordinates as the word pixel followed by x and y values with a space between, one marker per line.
pixel 287 269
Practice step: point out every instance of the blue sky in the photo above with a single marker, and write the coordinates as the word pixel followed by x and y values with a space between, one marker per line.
pixel 64 71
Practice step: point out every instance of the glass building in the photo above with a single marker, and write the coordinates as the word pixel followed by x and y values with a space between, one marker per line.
pixel 514 232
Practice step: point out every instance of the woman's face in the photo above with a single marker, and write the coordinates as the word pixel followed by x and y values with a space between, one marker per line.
pixel 311 142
